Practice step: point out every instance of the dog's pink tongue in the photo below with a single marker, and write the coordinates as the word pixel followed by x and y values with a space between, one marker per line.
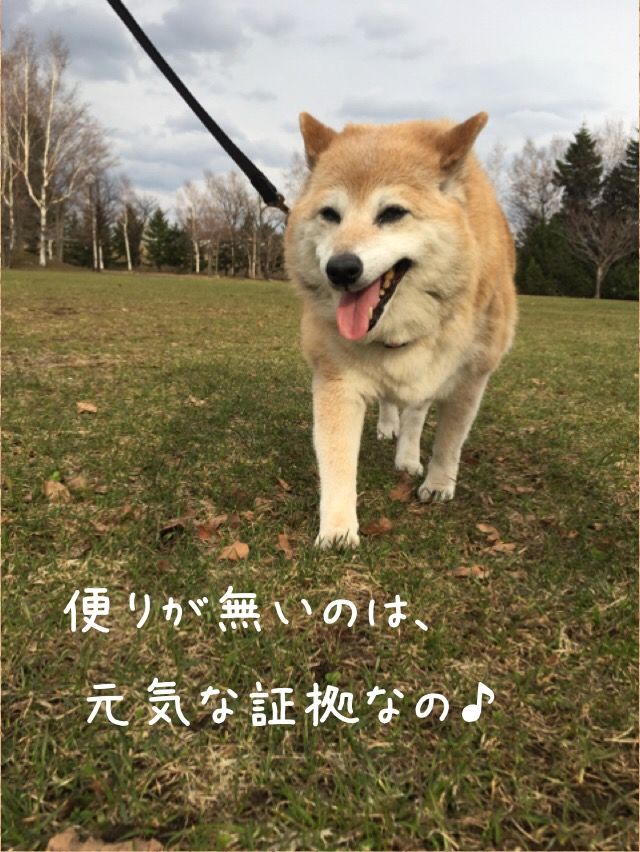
pixel 352 314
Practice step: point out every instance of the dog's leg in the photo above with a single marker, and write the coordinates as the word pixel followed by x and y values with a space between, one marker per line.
pixel 388 421
pixel 338 418
pixel 408 449
pixel 455 417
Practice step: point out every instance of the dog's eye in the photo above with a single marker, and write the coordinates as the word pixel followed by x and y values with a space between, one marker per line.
pixel 393 213
pixel 330 215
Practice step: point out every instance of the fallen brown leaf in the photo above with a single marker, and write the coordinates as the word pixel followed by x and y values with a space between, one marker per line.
pixel 519 489
pixel 175 525
pixel 192 400
pixel 77 483
pixel 491 532
pixel 285 545
pixel 284 485
pixel 209 528
pixel 402 492
pixel 503 547
pixel 57 492
pixel 234 552
pixel 379 527
pixel 204 532
pixel 86 407
pixel 69 841
pixel 469 571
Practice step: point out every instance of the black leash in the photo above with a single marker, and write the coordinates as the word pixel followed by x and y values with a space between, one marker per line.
pixel 261 183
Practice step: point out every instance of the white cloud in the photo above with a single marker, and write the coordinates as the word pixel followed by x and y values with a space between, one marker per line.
pixel 538 67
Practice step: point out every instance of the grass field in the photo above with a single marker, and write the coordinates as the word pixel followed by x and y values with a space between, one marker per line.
pixel 204 411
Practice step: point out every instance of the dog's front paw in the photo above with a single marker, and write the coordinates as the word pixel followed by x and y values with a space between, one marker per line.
pixel 409 466
pixel 388 422
pixel 432 492
pixel 341 537
pixel 387 431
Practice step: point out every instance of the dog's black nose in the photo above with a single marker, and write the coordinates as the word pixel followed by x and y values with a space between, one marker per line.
pixel 344 269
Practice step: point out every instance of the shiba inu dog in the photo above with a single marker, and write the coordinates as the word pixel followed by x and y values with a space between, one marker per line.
pixel 405 263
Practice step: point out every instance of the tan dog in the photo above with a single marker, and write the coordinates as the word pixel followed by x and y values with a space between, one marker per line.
pixel 405 262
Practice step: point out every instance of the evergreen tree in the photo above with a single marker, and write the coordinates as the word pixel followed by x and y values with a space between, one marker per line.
pixel 177 250
pixel 77 247
pixel 157 238
pixel 580 172
pixel 620 191
pixel 599 212
pixel 533 279
pixel 621 282
pixel 547 266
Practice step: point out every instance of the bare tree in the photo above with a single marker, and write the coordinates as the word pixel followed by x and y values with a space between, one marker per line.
pixel 232 200
pixel 599 237
pixel 273 222
pixel 611 141
pixel 496 167
pixel 126 199
pixel 57 145
pixel 8 162
pixel 213 227
pixel 102 199
pixel 191 211
pixel 263 227
pixel 254 228
pixel 533 197
pixel 296 177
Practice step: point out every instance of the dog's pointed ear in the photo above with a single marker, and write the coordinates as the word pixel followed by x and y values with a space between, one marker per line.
pixel 316 136
pixel 456 143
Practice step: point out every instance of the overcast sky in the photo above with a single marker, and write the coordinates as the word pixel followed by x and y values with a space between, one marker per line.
pixel 538 67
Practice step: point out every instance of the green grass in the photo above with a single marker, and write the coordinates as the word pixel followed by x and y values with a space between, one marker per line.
pixel 203 404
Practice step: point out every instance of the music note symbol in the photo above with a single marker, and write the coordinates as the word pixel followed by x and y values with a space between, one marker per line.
pixel 471 712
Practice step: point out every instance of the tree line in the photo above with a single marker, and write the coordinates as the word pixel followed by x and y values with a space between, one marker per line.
pixel 574 208
pixel 64 201
pixel 573 205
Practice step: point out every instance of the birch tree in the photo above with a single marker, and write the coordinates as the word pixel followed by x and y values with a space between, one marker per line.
pixel 57 145
pixel 264 225
pixel 126 199
pixel 495 165
pixel 8 162
pixel 191 209
pixel 213 227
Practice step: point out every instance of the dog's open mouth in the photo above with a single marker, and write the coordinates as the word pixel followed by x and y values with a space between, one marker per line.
pixel 358 312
